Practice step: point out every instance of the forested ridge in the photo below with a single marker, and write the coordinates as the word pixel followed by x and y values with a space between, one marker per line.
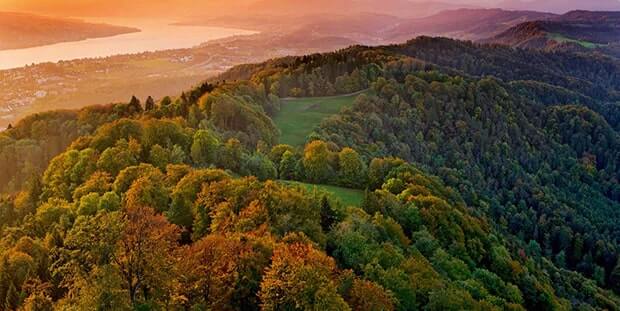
pixel 490 180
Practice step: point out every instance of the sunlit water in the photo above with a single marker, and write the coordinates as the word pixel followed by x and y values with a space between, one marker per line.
pixel 154 36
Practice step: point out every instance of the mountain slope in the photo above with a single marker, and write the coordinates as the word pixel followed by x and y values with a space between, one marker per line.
pixel 20 30
pixel 561 6
pixel 575 31
pixel 467 24
pixel 138 212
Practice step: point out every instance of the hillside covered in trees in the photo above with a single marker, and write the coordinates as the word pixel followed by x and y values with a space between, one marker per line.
pixel 577 31
pixel 489 179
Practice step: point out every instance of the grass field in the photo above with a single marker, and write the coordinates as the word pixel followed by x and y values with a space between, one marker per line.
pixel 586 44
pixel 348 197
pixel 299 116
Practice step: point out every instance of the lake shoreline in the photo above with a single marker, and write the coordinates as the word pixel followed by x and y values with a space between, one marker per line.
pixel 154 36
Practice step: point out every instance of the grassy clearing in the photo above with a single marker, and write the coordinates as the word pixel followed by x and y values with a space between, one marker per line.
pixel 299 116
pixel 348 197
pixel 586 44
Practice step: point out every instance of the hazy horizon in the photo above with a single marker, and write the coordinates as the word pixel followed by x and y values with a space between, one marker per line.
pixel 192 8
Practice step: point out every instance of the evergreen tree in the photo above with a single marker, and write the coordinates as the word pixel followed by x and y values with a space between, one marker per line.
pixel 5 278
pixel 134 105
pixel 614 278
pixel 11 302
pixel 328 215
pixel 149 104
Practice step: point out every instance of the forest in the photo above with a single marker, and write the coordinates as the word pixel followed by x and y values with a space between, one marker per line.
pixel 489 179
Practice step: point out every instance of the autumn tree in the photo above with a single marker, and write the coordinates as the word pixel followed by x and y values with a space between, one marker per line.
pixel 367 295
pixel 144 254
pixel 149 190
pixel 300 277
pixel 208 273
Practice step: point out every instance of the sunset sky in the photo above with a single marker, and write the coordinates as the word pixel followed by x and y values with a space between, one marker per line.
pixel 160 8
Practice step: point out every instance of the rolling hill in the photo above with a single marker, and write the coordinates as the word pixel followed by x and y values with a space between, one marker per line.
pixel 579 31
pixel 467 24
pixel 20 30
pixel 466 188
pixel 561 6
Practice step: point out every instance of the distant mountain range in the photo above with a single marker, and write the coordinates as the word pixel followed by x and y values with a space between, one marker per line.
pixel 20 30
pixel 468 24
pixel 578 31
pixel 561 6
pixel 213 8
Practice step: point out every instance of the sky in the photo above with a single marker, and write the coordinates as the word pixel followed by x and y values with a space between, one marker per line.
pixel 146 8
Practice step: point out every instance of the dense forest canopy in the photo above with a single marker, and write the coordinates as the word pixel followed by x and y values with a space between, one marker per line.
pixel 489 178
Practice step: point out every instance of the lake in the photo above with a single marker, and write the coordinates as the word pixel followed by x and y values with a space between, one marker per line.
pixel 155 35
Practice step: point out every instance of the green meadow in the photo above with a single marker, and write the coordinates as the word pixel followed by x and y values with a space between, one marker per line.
pixel 298 117
pixel 348 197
pixel 586 44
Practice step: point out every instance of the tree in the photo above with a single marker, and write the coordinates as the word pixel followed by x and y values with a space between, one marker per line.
pixel 149 104
pixel 204 148
pixel 352 172
pixel 122 155
pixel 144 254
pixel 166 101
pixel 367 295
pixel 278 151
pixel 148 191
pixel 287 166
pixel 159 157
pixel 109 201
pixel 5 278
pixel 259 165
pixel 185 193
pixel 614 278
pixel 316 162
pixel 134 105
pixel 300 277
pixel 451 299
pixel 11 301
pixel 328 215
pixel 209 273
pixel 88 204
pixel 38 301
pixel 231 155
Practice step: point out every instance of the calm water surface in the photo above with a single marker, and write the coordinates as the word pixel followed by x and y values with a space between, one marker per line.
pixel 155 35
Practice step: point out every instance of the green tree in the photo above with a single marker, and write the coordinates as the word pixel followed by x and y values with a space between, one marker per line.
pixel 204 148
pixel 352 172
pixel 316 162
pixel 231 155
pixel 109 201
pixel 260 166
pixel 614 278
pixel 288 164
